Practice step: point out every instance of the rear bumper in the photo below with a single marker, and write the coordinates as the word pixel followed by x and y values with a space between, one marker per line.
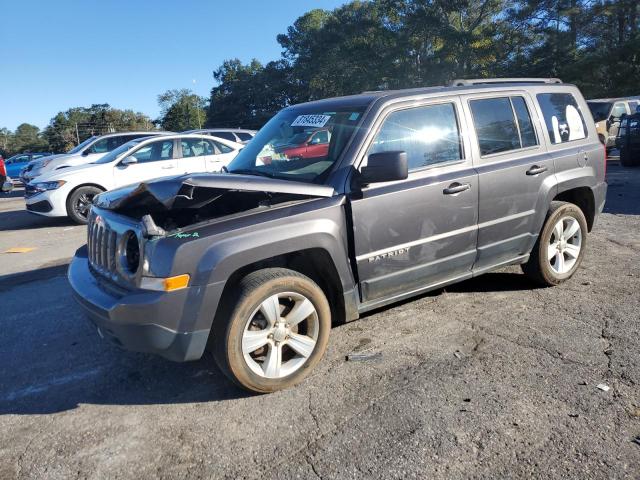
pixel 142 321
pixel 600 196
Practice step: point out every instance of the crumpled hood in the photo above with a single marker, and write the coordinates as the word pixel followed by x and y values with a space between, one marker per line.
pixel 197 190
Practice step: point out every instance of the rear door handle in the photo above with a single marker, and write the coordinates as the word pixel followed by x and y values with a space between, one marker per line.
pixel 456 187
pixel 167 168
pixel 536 170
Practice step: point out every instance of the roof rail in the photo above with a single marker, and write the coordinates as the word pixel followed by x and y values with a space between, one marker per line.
pixel 460 82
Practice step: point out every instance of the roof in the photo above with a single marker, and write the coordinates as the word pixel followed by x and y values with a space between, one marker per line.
pixel 462 86
pixel 223 129
pixel 614 99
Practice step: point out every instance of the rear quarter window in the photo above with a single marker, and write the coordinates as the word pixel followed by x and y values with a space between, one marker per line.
pixel 562 117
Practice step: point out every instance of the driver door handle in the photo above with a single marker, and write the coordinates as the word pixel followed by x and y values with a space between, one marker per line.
pixel 168 167
pixel 456 187
pixel 536 170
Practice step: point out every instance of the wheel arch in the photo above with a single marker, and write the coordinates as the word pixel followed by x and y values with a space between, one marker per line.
pixel 89 184
pixel 584 199
pixel 316 263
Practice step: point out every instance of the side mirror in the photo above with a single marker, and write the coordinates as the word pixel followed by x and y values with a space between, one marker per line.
pixel 385 167
pixel 130 160
pixel 86 152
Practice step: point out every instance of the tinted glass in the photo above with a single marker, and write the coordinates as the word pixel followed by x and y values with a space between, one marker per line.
pixel 81 146
pixel 527 132
pixel 619 109
pixel 17 159
pixel 107 144
pixel 221 147
pixel 194 147
pixel 273 152
pixel 562 117
pixel 320 137
pixel 245 137
pixel 117 153
pixel 155 151
pixel 225 135
pixel 633 106
pixel 429 135
pixel 495 125
pixel 600 110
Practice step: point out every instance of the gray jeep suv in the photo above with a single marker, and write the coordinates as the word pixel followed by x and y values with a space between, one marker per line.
pixel 417 189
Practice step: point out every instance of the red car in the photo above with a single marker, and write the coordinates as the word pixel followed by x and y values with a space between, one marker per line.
pixel 311 145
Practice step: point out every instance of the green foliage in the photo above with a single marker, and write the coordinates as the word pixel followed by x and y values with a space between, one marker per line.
pixel 248 95
pixel 385 44
pixel 26 138
pixel 67 129
pixel 181 110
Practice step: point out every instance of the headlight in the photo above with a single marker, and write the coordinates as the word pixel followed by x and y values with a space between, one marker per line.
pixel 44 186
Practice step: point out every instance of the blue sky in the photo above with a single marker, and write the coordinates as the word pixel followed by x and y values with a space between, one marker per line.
pixel 60 54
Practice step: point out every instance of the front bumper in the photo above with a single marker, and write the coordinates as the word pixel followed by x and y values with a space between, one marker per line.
pixel 139 320
pixel 51 203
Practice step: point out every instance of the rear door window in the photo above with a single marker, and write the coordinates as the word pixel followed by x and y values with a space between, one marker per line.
pixel 562 117
pixel 502 124
pixel 156 151
pixel 225 135
pixel 244 136
pixel 195 147
pixel 429 135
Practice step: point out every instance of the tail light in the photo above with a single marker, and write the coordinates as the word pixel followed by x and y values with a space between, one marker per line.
pixel 3 169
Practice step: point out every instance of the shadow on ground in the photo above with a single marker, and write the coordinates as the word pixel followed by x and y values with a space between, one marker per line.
pixel 623 195
pixel 23 220
pixel 62 362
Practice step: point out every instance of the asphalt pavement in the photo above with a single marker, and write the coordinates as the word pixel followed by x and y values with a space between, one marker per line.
pixel 490 378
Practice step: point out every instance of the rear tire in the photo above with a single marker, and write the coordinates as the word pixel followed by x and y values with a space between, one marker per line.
pixel 560 247
pixel 79 203
pixel 273 332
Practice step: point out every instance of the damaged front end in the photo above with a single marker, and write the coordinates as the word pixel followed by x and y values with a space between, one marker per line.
pixel 169 204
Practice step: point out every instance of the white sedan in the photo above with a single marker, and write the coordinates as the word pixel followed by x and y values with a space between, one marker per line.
pixel 70 191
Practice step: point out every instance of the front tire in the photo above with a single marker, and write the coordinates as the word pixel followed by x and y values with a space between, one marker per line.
pixel 274 332
pixel 560 247
pixel 79 203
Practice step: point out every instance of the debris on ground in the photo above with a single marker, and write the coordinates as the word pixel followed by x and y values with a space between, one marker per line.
pixel 637 440
pixel 363 357
pixel 457 354
pixel 603 387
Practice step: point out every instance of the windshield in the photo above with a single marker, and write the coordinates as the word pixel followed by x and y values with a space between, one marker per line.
pixel 298 145
pixel 599 110
pixel 82 145
pixel 113 154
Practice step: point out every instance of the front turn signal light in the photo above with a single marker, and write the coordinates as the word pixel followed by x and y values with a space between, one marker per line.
pixel 165 284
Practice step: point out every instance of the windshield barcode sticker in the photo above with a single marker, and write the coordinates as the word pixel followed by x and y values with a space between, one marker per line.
pixel 316 121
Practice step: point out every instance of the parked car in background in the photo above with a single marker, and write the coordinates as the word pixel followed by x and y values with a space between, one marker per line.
pixel 419 189
pixel 69 192
pixel 87 152
pixel 6 184
pixel 18 162
pixel 239 135
pixel 309 144
pixel 628 140
pixel 608 113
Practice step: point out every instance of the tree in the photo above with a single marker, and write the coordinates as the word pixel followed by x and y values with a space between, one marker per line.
pixel 66 129
pixel 248 95
pixel 181 110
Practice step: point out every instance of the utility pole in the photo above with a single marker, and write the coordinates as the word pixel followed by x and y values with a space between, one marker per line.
pixel 77 134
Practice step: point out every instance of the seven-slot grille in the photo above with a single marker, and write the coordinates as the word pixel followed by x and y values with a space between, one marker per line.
pixel 101 243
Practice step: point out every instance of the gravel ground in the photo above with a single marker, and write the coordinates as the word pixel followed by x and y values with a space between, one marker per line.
pixel 488 378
